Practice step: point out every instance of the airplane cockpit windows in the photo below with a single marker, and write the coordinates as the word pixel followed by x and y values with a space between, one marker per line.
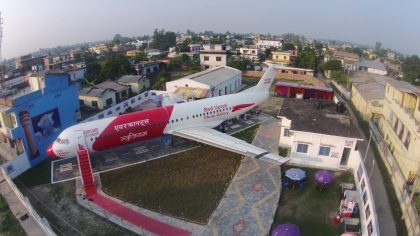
pixel 63 141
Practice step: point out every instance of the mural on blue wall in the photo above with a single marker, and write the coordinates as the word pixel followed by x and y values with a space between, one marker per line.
pixel 46 123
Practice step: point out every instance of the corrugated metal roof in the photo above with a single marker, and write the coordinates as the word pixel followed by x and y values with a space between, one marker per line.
pixel 405 86
pixel 93 92
pixel 214 76
pixel 130 78
pixel 372 64
pixel 112 85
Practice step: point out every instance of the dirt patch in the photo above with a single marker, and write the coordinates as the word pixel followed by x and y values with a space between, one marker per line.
pixel 58 204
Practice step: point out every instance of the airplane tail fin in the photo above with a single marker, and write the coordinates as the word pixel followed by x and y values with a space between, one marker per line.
pixel 266 80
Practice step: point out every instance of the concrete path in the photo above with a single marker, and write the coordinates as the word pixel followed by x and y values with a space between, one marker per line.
pixel 28 223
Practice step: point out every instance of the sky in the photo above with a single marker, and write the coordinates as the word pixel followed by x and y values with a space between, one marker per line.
pixel 29 25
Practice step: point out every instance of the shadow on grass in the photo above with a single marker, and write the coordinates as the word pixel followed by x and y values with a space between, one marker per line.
pixel 310 209
pixel 38 175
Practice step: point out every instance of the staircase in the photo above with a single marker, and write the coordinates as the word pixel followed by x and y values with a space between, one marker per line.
pixel 86 172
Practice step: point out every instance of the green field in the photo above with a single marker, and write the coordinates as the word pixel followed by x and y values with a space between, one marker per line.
pixel 186 185
pixel 310 209
pixel 248 134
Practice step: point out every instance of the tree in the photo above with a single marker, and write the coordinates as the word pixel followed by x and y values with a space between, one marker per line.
pixel 163 40
pixel 306 59
pixel 411 68
pixel 239 63
pixel 339 76
pixel 267 53
pixel 332 65
pixel 288 46
pixel 183 47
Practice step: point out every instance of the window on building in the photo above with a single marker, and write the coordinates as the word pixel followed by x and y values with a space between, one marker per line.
pixel 108 102
pixel 302 148
pixel 212 47
pixel 81 102
pixel 94 103
pixel 324 151
pixel 218 58
pixel 400 134
pixel 396 125
pixel 407 139
pixel 286 132
pixel 206 58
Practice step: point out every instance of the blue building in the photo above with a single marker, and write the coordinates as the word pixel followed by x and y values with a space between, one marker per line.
pixel 32 116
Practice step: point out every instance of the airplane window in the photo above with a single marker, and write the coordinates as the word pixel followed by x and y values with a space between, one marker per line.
pixel 176 120
pixel 193 116
pixel 187 117
pixel 172 121
pixel 182 119
pixel 58 140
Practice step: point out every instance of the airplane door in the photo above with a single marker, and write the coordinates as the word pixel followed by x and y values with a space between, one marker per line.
pixel 84 141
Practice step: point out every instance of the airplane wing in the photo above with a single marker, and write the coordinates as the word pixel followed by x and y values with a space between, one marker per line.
pixel 218 139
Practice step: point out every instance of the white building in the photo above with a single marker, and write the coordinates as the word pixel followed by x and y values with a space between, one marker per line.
pixel 264 44
pixel 213 55
pixel 252 54
pixel 209 83
pixel 372 67
pixel 317 137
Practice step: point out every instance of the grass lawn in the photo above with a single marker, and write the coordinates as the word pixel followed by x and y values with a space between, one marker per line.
pixel 248 134
pixel 250 81
pixel 187 185
pixel 310 209
pixel 9 225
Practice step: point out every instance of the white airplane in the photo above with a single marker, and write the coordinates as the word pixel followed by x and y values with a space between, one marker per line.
pixel 192 120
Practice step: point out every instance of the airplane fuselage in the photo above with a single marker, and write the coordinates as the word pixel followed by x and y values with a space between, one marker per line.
pixel 142 125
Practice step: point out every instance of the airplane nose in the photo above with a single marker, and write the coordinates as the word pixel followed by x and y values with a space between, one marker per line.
pixel 50 151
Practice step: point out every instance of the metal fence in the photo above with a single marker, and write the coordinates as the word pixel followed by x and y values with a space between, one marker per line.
pixel 410 214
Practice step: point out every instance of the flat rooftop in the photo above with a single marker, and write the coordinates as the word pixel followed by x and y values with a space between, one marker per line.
pixel 306 116
pixel 371 90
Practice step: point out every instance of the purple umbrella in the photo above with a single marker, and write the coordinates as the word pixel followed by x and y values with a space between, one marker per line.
pixel 286 230
pixel 324 177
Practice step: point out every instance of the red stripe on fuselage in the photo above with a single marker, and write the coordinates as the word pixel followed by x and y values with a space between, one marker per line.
pixel 133 127
pixel 241 106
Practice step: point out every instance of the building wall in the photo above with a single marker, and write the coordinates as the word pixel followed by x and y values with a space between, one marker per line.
pixel 314 142
pixel 400 122
pixel 139 86
pixel 282 58
pixel 87 100
pixel 48 114
pixel 360 103
pixel 376 71
pixel 210 60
